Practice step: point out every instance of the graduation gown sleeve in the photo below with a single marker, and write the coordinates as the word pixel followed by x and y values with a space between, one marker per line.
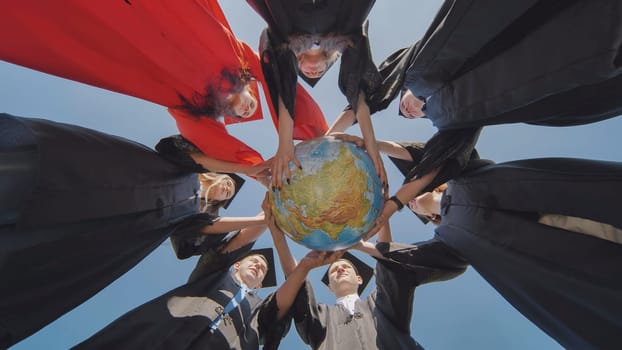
pixel 392 72
pixel 564 282
pixel 286 18
pixel 453 150
pixel 309 317
pixel 430 260
pixel 444 49
pixel 95 206
pixel 161 50
pixel 278 69
pixel 358 72
pixel 520 68
pixel 271 331
pixel 213 139
pixel 181 318
pixel 395 294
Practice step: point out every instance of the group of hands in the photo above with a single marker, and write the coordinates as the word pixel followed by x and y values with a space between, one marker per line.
pixel 276 172
pixel 262 172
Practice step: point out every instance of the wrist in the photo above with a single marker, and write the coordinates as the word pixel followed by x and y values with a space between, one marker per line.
pixel 397 202
pixel 305 266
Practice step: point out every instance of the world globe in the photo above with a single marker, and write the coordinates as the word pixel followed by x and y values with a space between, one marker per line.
pixel 334 200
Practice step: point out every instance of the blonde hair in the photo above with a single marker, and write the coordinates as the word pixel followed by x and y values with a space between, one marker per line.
pixel 209 181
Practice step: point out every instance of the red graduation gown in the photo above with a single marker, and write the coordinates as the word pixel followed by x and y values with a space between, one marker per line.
pixel 150 50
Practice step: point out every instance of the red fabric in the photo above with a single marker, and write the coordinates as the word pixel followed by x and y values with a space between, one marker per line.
pixel 206 132
pixel 153 50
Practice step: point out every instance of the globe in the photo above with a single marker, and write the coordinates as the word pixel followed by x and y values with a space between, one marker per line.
pixel 334 200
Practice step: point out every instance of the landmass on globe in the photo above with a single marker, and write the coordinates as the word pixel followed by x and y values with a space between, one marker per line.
pixel 333 201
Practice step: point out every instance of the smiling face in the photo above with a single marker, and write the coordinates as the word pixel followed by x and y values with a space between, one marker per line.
pixel 343 278
pixel 251 270
pixel 243 104
pixel 313 63
pixel 221 190
pixel 427 204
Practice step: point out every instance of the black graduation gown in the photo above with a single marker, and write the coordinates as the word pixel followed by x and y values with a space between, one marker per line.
pixel 94 205
pixel 546 62
pixel 381 320
pixel 393 73
pixel 295 17
pixel 451 149
pixel 181 318
pixel 566 283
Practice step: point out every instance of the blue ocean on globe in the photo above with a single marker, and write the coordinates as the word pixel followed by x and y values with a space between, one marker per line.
pixel 334 200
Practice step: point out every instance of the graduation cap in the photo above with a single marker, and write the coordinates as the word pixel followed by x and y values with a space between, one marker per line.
pixel 269 279
pixel 209 262
pixel 361 269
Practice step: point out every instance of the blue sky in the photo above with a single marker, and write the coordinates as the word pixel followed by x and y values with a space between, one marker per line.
pixel 461 313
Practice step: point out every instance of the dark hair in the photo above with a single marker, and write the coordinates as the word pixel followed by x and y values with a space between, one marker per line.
pixel 213 102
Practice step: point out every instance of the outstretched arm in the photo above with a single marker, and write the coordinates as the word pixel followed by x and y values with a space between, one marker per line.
pixel 288 263
pixel 368 248
pixel 390 148
pixel 285 152
pixel 404 195
pixel 343 121
pixel 228 224
pixel 250 229
pixel 286 294
pixel 364 118
pixel 384 236
pixel 244 237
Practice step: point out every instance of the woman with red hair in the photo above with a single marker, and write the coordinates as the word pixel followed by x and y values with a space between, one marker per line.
pixel 179 54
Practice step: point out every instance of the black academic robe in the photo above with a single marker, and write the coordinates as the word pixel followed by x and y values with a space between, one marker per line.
pixel 181 318
pixel 545 62
pixel 287 18
pixel 451 149
pixel 393 73
pixel 566 283
pixel 381 320
pixel 92 206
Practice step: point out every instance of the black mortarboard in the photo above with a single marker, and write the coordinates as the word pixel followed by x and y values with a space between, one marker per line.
pixel 362 269
pixel 270 278
pixel 211 261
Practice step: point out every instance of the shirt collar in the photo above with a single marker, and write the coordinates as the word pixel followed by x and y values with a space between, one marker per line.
pixel 348 301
